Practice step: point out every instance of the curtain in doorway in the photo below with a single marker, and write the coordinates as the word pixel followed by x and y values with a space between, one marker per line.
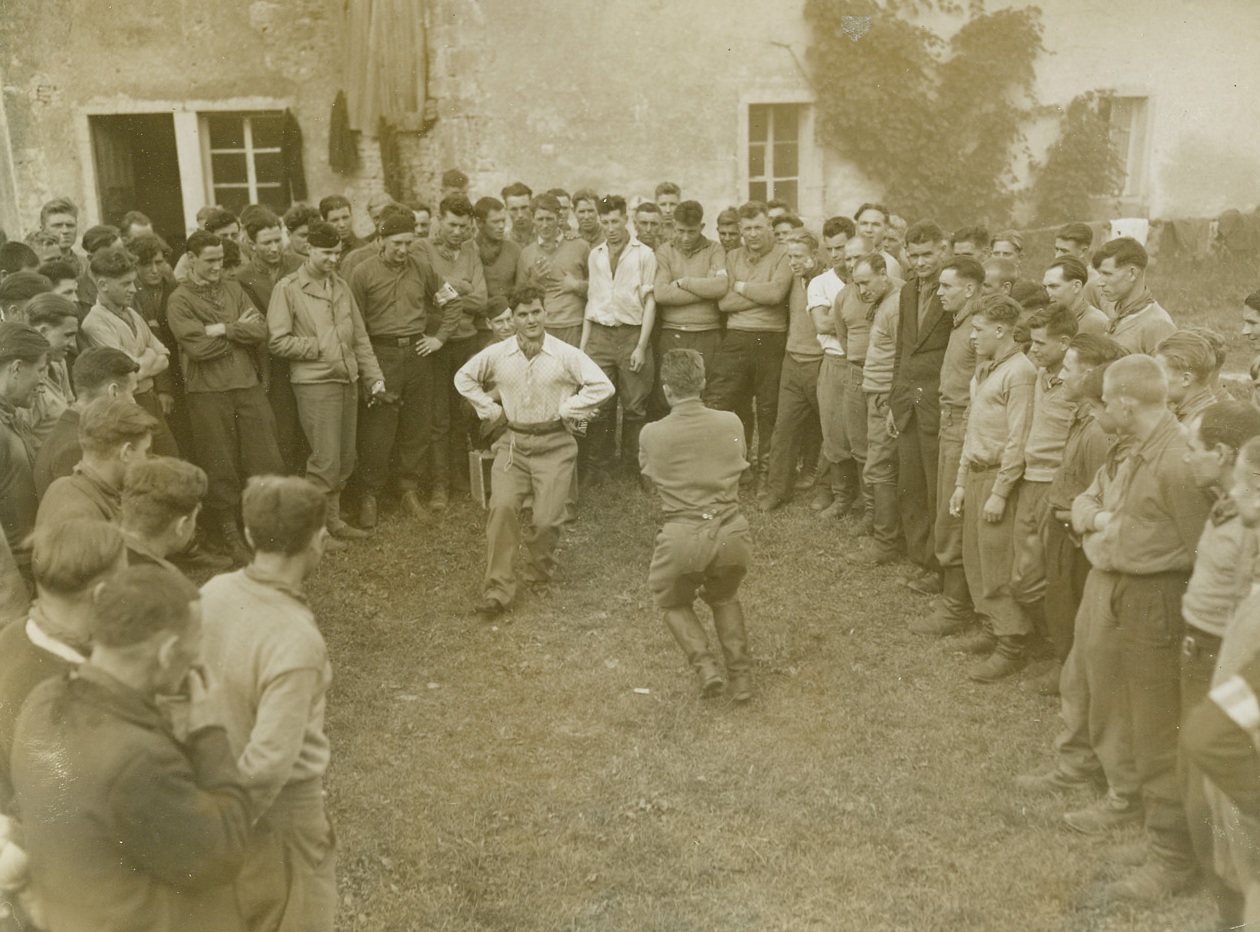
pixel 387 64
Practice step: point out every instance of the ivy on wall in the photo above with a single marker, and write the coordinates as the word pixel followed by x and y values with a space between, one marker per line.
pixel 1082 167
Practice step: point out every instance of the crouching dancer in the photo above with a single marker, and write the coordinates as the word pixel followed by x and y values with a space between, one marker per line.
pixel 695 457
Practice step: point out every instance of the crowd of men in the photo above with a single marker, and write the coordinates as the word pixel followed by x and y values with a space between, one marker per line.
pixel 1055 462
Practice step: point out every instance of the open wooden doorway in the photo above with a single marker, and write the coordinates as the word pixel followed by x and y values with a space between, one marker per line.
pixel 137 168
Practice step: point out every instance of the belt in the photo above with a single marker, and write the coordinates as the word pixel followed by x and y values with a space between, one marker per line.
pixel 402 341
pixel 537 429
pixel 977 468
pixel 854 362
pixel 1199 643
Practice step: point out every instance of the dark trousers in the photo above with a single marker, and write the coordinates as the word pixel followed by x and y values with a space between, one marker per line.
pixel 454 423
pixel 1066 571
pixel 797 411
pixel 234 437
pixel 917 451
pixel 394 439
pixel 610 348
pixel 746 370
pixel 704 342
pixel 163 441
pixel 1151 628
pixel 290 437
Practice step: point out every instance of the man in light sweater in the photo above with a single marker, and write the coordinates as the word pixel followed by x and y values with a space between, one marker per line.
pixel 261 644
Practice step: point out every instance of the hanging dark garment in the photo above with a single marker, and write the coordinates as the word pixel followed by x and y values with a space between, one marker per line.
pixel 343 156
pixel 291 155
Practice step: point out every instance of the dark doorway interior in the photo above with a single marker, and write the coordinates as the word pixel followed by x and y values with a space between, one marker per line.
pixel 137 168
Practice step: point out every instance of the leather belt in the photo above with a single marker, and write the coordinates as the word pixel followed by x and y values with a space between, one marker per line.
pixel 537 430
pixel 401 341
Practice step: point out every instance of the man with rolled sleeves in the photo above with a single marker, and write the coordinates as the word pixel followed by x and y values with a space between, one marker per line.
pixel 690 280
pixel 544 391
pixel 695 457
pixel 1138 323
pixel 315 323
pixel 220 333
pixel 410 313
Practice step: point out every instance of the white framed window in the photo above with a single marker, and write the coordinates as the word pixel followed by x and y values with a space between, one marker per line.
pixel 244 161
pixel 1128 124
pixel 774 152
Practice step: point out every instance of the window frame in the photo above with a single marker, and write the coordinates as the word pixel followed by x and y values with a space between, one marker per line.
pixel 809 170
pixel 249 150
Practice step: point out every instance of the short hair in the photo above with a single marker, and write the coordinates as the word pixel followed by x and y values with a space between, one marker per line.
pixel 417 206
pixel 585 194
pixel 333 202
pixel 778 203
pixel 547 202
pixel 559 193
pixel 611 204
pixel 485 206
pixel 43 238
pixel 58 205
pixel 1072 269
pixel 158 490
pixel 50 309
pixel 147 247
pixel 300 215
pixel 1000 309
pixel 107 423
pixel 282 513
pixel 98 366
pixel 835 226
pixel 1005 269
pixel 113 262
pixel 689 213
pixel 1139 378
pixel 1009 236
pixel 516 189
pixel 1094 349
pixel 871 205
pixel 648 207
pixel 1076 232
pixel 966 267
pixel 140 603
pixel 1230 422
pixel 260 218
pixel 457 205
pixel 1253 301
pixel 1031 296
pixel 58 270
pixel 219 219
pixel 1188 352
pixel 751 210
pixel 804 236
pixel 1057 324
pixel 100 236
pixel 668 187
pixel 925 231
pixel 1220 350
pixel 525 294
pixel 683 371
pixel 22 342
pixel 795 222
pixel 731 215
pixel 15 256
pixel 975 234
pixel 22 286
pixel 454 178
pixel 67 557
pixel 202 240
pixel 1124 251
pixel 874 261
pixel 133 218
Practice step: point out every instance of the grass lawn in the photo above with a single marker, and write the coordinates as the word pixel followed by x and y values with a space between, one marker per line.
pixel 513 777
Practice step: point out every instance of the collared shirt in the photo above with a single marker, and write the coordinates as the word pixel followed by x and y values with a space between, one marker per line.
pixel 881 350
pixel 1224 570
pixel 140 553
pixel 677 272
pixel 997 420
pixel 498 264
pixel 1194 404
pixel 695 456
pixel 400 301
pixel 218 363
pixel 767 282
pixel 1052 417
pixel 1084 452
pixel 267 653
pixel 1089 319
pixel 1140 324
pixel 825 291
pixel 620 297
pixel 17 482
pixel 129 333
pixel 802 339
pixel 1161 514
pixel 927 290
pixel 259 279
pixel 570 257
pixel 559 382
pixel 960 359
pixel 54 396
pixel 462 265
pixel 316 324
pixel 82 494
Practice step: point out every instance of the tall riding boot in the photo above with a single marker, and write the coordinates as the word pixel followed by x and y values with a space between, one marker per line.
pixel 1007 658
pixel 728 618
pixel 233 543
pixel 887 518
pixel 867 516
pixel 630 430
pixel 689 633
pixel 337 526
pixel 601 440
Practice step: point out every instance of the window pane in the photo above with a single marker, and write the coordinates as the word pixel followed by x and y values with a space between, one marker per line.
pixel 234 199
pixel 226 132
pixel 756 161
pixel 786 191
pixel 228 168
pixel 274 196
pixel 757 191
pixel 758 120
pixel 266 130
pixel 268 167
pixel 785 160
pixel 785 122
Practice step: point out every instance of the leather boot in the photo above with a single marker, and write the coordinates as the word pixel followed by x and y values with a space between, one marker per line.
pixel 887 517
pixel 866 513
pixel 1007 658
pixel 689 633
pixel 367 510
pixel 337 526
pixel 728 618
pixel 233 543
pixel 630 430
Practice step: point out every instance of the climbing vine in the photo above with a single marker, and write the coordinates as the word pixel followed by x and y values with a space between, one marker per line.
pixel 936 122
pixel 1082 165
